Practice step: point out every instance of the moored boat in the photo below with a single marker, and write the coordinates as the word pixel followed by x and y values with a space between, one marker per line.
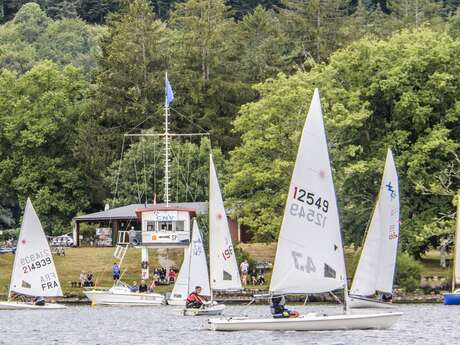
pixel 453 298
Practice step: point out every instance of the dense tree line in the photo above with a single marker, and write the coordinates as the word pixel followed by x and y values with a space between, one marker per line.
pixel 76 75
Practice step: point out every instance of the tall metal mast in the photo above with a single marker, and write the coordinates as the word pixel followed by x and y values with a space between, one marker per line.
pixel 166 135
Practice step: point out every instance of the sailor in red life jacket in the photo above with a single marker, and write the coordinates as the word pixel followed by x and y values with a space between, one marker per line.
pixel 195 300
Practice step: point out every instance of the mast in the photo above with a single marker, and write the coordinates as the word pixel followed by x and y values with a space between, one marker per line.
pixel 456 246
pixel 209 230
pixel 166 137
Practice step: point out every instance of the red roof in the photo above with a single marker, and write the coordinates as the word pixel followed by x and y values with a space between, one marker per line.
pixel 139 211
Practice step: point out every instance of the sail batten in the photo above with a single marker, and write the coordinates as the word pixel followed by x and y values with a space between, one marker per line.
pixel 309 256
pixel 34 273
pixel 376 267
pixel 223 266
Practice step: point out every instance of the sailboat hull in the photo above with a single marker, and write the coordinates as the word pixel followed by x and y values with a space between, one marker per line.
pixel 213 310
pixel 307 323
pixel 124 298
pixel 30 306
pixel 452 298
pixel 177 302
pixel 359 302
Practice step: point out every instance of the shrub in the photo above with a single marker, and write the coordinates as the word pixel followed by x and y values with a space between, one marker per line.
pixel 408 272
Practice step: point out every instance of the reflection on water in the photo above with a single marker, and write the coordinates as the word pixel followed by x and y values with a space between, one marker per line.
pixel 420 324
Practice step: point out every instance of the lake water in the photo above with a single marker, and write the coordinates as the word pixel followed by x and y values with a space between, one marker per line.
pixel 430 324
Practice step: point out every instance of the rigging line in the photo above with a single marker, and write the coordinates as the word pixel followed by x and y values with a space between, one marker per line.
pixel 145 175
pixel 183 177
pixel 187 118
pixel 119 168
pixel 154 169
pixel 137 180
pixel 140 123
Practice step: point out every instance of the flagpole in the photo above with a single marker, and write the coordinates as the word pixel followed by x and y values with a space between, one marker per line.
pixel 166 182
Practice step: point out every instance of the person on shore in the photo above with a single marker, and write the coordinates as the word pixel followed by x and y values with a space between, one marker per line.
pixel 253 276
pixel 82 278
pixel 278 309
pixel 39 300
pixel 143 287
pixel 172 276
pixel 89 280
pixel 134 287
pixel 244 267
pixel 195 300
pixel 115 271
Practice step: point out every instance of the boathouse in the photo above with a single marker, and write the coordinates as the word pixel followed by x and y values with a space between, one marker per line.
pixel 120 223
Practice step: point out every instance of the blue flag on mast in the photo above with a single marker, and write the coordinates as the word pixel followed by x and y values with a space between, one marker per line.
pixel 169 92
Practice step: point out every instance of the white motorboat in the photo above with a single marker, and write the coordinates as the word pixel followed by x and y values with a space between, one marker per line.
pixel 376 267
pixel 34 273
pixel 120 294
pixel 309 257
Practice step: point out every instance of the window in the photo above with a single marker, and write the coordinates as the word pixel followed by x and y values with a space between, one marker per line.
pixel 165 226
pixel 150 226
pixel 180 225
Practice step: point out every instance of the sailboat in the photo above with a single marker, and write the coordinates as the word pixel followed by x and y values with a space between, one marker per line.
pixel 309 256
pixel 199 276
pixel 453 298
pixel 181 286
pixel 34 273
pixel 224 270
pixel 376 267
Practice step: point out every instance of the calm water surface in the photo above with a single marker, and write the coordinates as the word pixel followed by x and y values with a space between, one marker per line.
pixel 420 324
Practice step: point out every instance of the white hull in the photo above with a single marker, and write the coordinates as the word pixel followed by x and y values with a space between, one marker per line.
pixel 358 302
pixel 213 310
pixel 307 323
pixel 29 306
pixel 177 302
pixel 124 298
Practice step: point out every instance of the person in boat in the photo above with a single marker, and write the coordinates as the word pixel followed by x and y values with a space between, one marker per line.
pixel 195 300
pixel 143 287
pixel 115 271
pixel 134 287
pixel 387 297
pixel 278 309
pixel 39 300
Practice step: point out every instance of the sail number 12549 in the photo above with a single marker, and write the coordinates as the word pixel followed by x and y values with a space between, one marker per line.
pixel 317 211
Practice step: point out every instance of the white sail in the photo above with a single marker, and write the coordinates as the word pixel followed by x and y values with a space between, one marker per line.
pixel 180 290
pixel 309 256
pixel 34 273
pixel 223 266
pixel 198 275
pixel 376 267
pixel 457 247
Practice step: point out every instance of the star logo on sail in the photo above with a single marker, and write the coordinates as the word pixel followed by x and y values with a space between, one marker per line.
pixel 391 190
pixel 322 174
pixel 23 241
pixel 219 216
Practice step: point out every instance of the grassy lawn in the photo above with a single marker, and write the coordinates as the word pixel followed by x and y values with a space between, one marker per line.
pixel 97 260
pixel 100 260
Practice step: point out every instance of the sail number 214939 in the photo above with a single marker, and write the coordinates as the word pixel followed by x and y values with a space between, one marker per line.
pixel 317 211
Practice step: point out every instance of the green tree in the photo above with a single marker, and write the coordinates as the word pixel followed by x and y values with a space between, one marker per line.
pixel 412 13
pixel 400 93
pixel 38 113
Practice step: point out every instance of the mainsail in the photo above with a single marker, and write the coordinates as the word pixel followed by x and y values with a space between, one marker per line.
pixel 198 275
pixel 375 271
pixel 34 273
pixel 309 256
pixel 180 290
pixel 224 270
